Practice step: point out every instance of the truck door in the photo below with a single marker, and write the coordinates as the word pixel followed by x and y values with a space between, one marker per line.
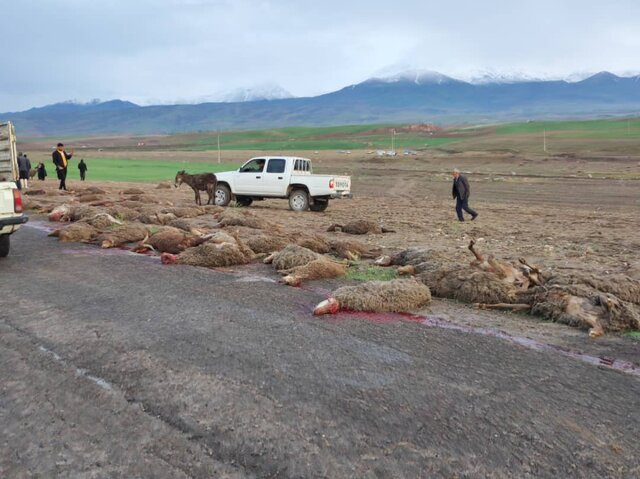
pixel 249 178
pixel 275 180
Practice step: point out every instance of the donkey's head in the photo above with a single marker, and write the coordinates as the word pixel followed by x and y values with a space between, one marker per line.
pixel 179 178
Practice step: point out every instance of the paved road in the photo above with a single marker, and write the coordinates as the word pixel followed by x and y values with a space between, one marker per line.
pixel 114 365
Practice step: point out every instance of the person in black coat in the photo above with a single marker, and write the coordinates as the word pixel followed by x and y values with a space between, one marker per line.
pixel 24 165
pixel 82 166
pixel 461 192
pixel 61 160
pixel 42 172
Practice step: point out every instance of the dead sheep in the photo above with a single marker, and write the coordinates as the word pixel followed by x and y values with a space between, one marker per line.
pixel 35 192
pixel 170 240
pixel 468 286
pixel 399 296
pixel 185 211
pixel 136 205
pixel 101 221
pixel 89 198
pixel 405 257
pixel 620 285
pixel 215 253
pixel 163 186
pixel 120 235
pixel 360 227
pixel 156 218
pixel 316 243
pixel 319 268
pixel 94 190
pixel 263 243
pixel 353 250
pixel 290 257
pixel 584 308
pixel 237 217
pixel 76 233
pixel 123 213
pixel 132 191
pixel 71 212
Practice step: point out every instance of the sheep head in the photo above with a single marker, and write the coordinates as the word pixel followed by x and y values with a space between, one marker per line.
pixel 168 258
pixel 328 306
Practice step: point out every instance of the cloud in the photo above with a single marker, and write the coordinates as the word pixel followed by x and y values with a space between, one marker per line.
pixel 147 50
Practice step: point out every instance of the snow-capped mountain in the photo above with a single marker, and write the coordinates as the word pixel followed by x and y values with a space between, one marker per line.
pixel 419 77
pixel 263 91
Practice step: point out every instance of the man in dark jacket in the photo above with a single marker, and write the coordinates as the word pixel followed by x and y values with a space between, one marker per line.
pixel 461 193
pixel 61 159
pixel 24 165
pixel 82 166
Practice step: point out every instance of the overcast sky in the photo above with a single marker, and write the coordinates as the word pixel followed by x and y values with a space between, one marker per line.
pixel 161 51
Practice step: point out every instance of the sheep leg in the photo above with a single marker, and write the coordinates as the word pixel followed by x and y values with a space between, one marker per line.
pixel 478 256
pixel 503 306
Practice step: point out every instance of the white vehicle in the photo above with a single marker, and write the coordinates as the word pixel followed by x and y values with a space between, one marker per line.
pixel 281 177
pixel 11 216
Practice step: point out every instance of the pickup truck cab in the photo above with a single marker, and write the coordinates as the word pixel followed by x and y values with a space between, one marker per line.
pixel 11 215
pixel 281 177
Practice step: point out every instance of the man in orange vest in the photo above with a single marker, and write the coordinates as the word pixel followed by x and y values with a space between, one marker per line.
pixel 61 160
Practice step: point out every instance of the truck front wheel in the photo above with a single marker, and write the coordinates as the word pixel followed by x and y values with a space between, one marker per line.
pixel 299 200
pixel 223 195
pixel 319 205
pixel 4 246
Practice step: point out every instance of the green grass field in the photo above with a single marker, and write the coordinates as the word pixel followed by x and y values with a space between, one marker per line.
pixel 358 137
pixel 589 129
pixel 133 170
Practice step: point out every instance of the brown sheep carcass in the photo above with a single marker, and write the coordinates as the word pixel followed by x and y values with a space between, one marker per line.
pixel 360 227
pixel 120 235
pixel 399 295
pixel 319 268
pixel 76 233
pixel 264 243
pixel 585 308
pixel 217 252
pixel 290 257
pixel 353 250
pixel 170 240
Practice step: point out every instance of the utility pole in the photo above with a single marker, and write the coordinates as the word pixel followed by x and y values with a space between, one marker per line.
pixel 544 140
pixel 218 146
pixel 393 139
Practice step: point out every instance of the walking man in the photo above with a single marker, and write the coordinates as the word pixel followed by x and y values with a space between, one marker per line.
pixel 61 159
pixel 461 193
pixel 82 166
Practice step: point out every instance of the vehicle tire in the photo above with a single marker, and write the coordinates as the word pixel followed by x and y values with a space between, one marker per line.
pixel 319 205
pixel 299 200
pixel 243 200
pixel 4 246
pixel 222 196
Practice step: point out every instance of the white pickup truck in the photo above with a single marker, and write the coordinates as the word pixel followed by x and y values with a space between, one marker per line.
pixel 281 177
pixel 11 216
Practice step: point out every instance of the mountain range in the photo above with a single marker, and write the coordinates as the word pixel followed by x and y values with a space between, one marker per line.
pixel 416 96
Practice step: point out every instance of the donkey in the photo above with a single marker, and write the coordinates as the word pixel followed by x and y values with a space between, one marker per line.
pixel 202 182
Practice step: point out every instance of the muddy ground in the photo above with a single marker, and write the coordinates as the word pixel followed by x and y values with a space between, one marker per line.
pixel 117 366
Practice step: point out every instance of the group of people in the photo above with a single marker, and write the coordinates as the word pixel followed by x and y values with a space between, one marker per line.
pixel 61 162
